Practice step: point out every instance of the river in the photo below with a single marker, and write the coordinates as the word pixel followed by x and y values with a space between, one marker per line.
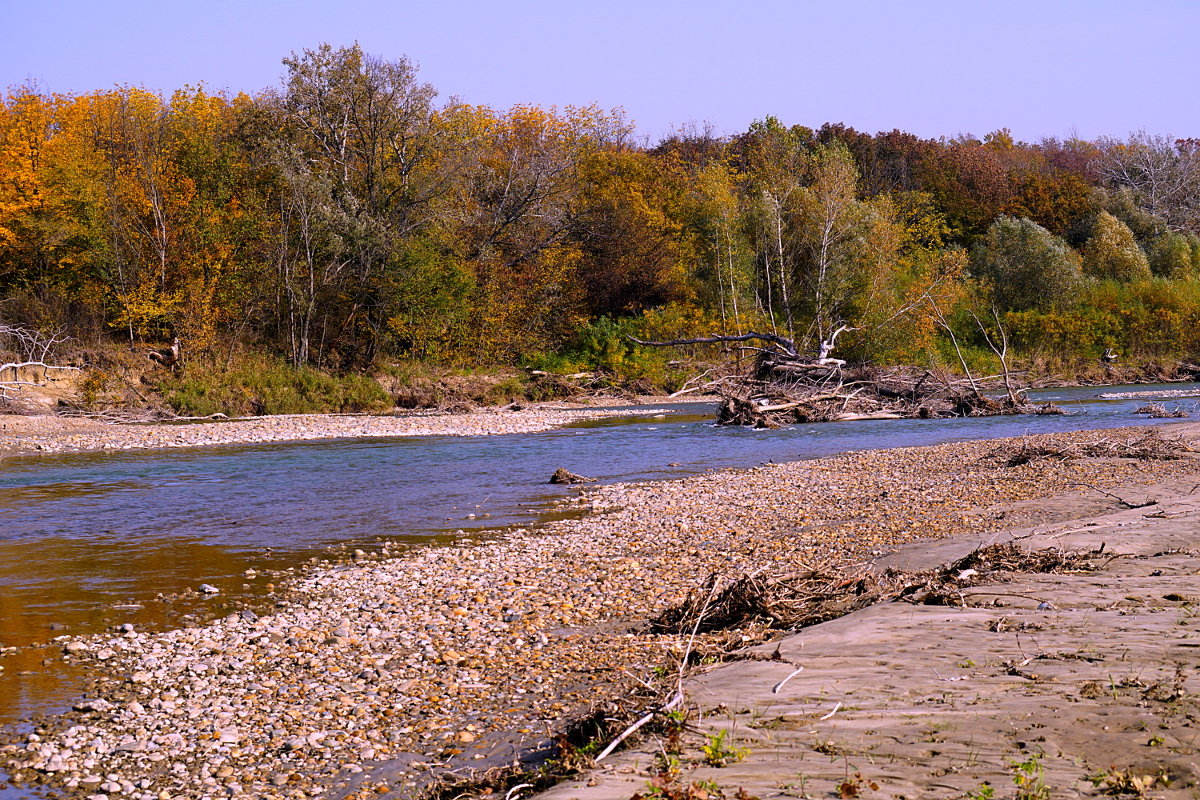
pixel 90 541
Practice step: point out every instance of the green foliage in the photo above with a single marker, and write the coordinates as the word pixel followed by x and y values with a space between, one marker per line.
pixel 720 752
pixel 428 293
pixel 261 386
pixel 985 792
pixel 1111 252
pixel 1026 266
pixel 605 346
pixel 1175 255
pixel 1029 776
pixel 1155 319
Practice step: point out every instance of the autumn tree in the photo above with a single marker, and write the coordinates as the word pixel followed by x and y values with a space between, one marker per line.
pixel 1025 266
pixel 1163 174
pixel 1175 255
pixel 359 169
pixel 1111 252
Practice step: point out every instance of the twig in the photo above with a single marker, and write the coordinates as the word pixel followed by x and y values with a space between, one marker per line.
pixel 779 686
pixel 516 789
pixel 831 713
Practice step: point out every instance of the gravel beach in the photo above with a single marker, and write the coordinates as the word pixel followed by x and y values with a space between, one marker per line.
pixel 52 434
pixel 372 678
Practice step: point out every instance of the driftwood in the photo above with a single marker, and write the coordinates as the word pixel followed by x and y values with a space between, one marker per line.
pixel 1150 446
pixel 563 475
pixel 784 386
pixel 814 595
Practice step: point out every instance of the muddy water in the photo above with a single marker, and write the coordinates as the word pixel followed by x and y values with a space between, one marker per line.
pixel 92 541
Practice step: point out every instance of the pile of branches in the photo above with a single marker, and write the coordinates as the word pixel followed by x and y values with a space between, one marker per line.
pixel 1149 446
pixel 812 596
pixel 1159 411
pixel 786 386
pixel 783 390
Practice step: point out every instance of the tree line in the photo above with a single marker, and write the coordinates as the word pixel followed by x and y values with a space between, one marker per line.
pixel 348 216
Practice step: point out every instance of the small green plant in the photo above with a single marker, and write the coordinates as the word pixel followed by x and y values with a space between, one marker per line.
pixel 718 752
pixel 1029 776
pixel 985 792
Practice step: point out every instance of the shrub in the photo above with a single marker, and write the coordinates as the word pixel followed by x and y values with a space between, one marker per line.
pixel 264 386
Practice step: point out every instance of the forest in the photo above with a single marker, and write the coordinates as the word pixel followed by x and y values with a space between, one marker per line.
pixel 346 222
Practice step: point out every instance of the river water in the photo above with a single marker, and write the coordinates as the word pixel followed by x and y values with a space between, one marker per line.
pixel 88 541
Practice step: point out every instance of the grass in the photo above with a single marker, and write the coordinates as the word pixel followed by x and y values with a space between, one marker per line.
pixel 266 386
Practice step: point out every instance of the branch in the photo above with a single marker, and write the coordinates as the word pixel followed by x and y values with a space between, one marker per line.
pixel 787 345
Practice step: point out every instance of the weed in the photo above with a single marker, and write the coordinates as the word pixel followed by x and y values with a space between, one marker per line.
pixel 853 786
pixel 1029 776
pixel 1123 782
pixel 985 792
pixel 718 752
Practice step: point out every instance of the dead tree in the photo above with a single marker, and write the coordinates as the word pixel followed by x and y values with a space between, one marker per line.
pixel 786 386
pixel 171 357
pixel 34 349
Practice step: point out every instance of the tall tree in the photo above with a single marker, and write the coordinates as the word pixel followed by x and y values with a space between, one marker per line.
pixel 1025 266
pixel 1111 252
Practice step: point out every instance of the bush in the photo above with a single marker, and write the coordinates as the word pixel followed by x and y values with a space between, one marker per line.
pixel 1026 266
pixel 264 386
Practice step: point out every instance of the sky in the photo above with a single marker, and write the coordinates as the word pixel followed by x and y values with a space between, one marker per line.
pixel 935 68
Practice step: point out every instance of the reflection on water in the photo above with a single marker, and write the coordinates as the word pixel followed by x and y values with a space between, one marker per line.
pixel 89 541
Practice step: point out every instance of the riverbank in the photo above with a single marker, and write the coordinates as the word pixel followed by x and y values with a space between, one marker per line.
pixel 455 658
pixel 1070 671
pixel 54 434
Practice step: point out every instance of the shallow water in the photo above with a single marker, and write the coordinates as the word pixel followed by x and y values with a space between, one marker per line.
pixel 87 541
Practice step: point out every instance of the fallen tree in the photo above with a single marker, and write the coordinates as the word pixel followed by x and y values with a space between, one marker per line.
pixel 786 386
pixel 31 366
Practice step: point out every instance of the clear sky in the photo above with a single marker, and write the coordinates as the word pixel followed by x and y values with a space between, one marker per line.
pixel 932 67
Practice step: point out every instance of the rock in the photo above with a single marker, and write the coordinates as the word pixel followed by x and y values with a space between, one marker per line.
pixel 248 615
pixel 74 648
pixel 208 588
pixel 562 475
pixel 98 704
pixel 55 764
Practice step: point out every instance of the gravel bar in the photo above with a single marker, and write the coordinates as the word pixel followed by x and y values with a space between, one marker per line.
pixel 50 434
pixel 368 678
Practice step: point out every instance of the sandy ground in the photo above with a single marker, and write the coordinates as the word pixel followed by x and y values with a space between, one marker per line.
pixel 1043 685
pixel 377 678
pixel 53 434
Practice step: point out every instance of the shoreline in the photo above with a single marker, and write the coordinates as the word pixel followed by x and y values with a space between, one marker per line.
pixel 48 434
pixel 1064 666
pixel 465 656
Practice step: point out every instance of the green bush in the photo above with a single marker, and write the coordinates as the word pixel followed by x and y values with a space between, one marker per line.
pixel 271 387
